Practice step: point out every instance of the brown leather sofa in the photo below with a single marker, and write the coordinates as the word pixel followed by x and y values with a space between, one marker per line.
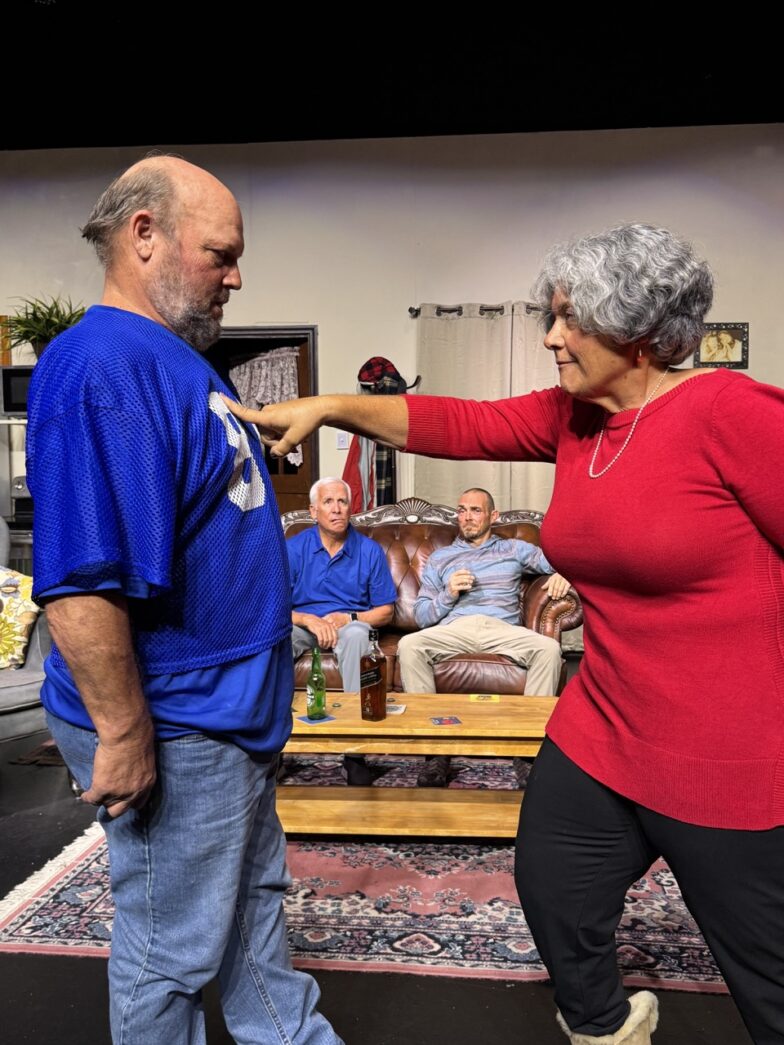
pixel 408 532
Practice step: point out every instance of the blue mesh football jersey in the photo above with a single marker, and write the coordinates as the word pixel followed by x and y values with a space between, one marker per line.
pixel 142 478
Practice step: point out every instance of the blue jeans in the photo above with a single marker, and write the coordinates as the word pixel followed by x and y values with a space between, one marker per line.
pixel 198 878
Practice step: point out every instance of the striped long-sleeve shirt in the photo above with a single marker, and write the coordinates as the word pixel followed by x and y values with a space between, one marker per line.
pixel 497 565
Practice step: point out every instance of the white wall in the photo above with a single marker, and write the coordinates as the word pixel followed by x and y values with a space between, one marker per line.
pixel 348 234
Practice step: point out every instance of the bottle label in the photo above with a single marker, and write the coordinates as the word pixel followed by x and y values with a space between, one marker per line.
pixel 371 677
pixel 316 702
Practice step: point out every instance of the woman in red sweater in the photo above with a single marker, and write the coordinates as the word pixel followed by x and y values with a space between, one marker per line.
pixel 670 523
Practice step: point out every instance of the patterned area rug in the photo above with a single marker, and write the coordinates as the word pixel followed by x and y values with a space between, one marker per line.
pixel 492 774
pixel 432 909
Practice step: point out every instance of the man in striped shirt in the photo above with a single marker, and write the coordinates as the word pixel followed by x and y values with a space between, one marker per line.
pixel 468 602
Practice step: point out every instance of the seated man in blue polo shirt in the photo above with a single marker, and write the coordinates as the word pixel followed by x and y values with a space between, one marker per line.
pixel 341 588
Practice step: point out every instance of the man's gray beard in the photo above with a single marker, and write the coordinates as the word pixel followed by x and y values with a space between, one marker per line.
pixel 179 312
pixel 199 331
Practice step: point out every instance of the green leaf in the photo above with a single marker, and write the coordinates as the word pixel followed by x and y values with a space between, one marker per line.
pixel 38 320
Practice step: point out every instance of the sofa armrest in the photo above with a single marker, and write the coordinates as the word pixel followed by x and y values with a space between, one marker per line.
pixel 550 616
pixel 39 645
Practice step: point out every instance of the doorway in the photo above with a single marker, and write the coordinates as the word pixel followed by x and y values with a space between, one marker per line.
pixel 290 481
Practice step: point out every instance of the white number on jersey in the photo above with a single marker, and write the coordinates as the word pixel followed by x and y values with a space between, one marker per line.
pixel 245 493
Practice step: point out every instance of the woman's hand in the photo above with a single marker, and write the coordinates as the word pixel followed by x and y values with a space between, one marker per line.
pixel 283 426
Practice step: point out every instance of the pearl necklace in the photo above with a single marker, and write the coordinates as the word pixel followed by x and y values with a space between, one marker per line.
pixel 627 440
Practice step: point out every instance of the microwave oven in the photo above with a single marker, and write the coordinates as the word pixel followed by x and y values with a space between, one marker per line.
pixel 14 383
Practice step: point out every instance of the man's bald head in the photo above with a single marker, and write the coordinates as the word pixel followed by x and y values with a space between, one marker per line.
pixel 163 185
pixel 170 237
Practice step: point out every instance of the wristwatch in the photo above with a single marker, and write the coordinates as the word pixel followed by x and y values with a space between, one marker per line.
pixel 353 616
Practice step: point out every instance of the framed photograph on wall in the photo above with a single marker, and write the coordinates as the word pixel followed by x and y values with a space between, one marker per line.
pixel 724 344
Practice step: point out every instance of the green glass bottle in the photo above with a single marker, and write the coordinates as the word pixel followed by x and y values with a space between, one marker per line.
pixel 316 687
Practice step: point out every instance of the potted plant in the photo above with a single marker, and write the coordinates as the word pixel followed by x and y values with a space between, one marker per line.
pixel 38 320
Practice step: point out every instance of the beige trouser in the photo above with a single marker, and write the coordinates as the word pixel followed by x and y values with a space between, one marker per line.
pixel 420 650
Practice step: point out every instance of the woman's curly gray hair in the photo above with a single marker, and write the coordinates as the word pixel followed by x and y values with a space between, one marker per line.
pixel 632 283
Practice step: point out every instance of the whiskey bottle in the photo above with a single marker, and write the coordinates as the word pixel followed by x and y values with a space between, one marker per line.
pixel 373 681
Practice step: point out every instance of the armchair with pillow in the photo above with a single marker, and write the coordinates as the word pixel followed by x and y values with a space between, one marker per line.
pixel 24 645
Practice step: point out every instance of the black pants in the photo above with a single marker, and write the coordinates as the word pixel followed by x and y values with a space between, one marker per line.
pixel 579 848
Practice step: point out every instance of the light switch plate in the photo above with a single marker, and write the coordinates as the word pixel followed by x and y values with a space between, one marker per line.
pixel 342 442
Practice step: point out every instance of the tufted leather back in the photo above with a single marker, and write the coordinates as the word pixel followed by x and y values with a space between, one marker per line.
pixel 408 546
pixel 409 532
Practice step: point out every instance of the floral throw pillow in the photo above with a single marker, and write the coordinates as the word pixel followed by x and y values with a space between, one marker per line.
pixel 17 616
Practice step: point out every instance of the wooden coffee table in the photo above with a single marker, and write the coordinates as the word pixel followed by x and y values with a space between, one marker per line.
pixel 512 726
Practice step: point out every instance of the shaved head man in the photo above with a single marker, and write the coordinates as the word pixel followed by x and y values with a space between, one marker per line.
pixel 468 602
pixel 160 558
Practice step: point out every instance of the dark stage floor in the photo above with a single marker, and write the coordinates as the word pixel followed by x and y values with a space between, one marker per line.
pixel 64 1000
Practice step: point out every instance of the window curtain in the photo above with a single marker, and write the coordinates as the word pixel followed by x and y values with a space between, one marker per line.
pixel 476 351
pixel 530 482
pixel 465 351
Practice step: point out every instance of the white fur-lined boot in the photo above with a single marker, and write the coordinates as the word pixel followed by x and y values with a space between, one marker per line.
pixel 640 1024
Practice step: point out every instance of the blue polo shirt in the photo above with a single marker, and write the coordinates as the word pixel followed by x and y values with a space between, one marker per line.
pixel 355 579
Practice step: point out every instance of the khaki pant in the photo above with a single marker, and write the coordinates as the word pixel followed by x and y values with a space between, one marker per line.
pixel 420 650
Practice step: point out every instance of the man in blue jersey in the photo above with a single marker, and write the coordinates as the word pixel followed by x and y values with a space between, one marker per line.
pixel 159 554
pixel 341 588
pixel 468 602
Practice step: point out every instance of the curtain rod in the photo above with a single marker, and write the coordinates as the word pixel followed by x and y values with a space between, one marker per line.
pixel 457 310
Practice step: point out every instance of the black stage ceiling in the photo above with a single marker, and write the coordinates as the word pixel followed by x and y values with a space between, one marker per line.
pixel 108 74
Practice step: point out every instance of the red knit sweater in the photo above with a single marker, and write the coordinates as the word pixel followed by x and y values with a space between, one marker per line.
pixel 677 555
